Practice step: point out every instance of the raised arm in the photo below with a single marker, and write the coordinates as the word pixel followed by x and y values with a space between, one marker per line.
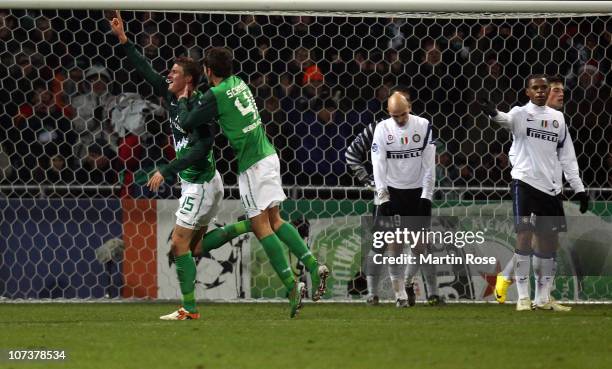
pixel 138 61
pixel 503 119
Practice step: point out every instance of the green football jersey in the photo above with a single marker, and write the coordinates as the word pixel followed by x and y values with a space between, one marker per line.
pixel 194 161
pixel 232 104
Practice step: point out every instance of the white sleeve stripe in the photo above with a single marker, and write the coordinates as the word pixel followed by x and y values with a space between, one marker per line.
pixel 356 149
pixel 353 151
pixel 368 135
pixel 361 147
pixel 356 154
pixel 351 160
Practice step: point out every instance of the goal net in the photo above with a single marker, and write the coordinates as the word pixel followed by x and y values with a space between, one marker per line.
pixel 81 131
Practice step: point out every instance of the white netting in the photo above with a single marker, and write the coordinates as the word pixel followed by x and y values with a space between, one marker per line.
pixel 72 167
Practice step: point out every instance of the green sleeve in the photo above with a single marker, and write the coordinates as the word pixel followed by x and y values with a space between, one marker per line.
pixel 143 68
pixel 197 152
pixel 204 112
pixel 202 136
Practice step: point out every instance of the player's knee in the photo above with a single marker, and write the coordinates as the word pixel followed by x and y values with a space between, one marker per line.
pixel 523 241
pixel 179 245
pixel 261 226
pixel 547 242
pixel 262 232
pixel 276 224
pixel 275 219
pixel 196 249
pixel 420 248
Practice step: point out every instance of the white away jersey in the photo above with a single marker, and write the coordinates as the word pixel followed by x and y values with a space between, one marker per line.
pixel 540 142
pixel 404 157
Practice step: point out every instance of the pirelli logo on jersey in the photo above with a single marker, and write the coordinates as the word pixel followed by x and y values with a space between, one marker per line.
pixel 404 154
pixel 543 135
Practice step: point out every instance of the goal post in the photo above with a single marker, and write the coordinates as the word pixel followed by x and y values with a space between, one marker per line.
pixel 326 7
pixel 76 220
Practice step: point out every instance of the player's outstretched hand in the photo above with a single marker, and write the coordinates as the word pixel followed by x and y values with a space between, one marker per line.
pixel 584 201
pixel 116 25
pixel 155 181
pixel 487 106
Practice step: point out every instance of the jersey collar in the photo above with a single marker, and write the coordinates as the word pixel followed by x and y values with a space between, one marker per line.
pixel 405 126
pixel 535 108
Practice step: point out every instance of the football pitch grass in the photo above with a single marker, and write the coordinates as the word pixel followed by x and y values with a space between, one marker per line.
pixel 324 336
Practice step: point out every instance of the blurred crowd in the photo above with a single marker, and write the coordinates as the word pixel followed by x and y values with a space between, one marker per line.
pixel 75 113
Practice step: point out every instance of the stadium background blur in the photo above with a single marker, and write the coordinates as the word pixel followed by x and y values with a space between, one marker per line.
pixel 317 80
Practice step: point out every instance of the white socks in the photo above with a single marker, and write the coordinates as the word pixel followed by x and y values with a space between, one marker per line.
pixel 508 271
pixel 522 264
pixel 431 279
pixel 373 281
pixel 399 288
pixel 429 274
pixel 413 269
pixel 400 275
pixel 373 272
pixel 396 272
pixel 544 268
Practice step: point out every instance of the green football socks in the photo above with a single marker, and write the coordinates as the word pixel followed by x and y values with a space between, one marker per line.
pixel 186 271
pixel 291 237
pixel 274 249
pixel 220 236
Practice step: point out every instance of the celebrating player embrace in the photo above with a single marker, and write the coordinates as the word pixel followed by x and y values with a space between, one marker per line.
pixel 231 103
pixel 201 184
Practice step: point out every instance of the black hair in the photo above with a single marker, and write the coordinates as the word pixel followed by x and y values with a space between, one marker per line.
pixel 535 76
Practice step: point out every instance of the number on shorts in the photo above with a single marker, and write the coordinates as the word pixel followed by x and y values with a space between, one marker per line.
pixel 188 203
